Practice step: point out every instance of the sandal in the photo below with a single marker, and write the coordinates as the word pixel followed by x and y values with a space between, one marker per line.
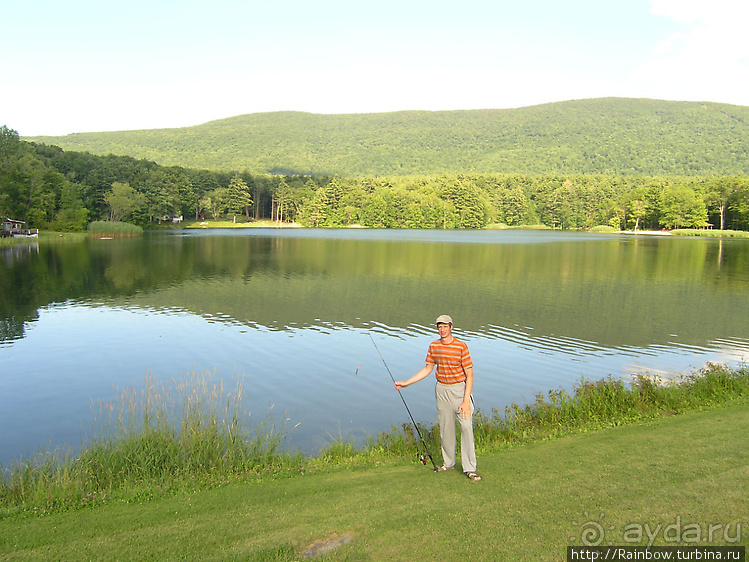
pixel 444 468
pixel 473 476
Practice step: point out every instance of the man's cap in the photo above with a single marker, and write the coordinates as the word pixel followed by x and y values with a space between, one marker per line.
pixel 444 319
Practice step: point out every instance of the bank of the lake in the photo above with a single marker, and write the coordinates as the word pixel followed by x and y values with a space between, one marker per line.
pixel 672 480
pixel 167 441
pixel 266 223
pixel 189 224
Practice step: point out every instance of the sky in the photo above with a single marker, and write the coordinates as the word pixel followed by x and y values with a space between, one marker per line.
pixel 94 65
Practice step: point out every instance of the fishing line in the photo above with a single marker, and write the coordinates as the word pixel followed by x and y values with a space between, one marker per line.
pixel 416 427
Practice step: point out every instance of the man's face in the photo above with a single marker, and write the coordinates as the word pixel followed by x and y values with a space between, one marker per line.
pixel 445 330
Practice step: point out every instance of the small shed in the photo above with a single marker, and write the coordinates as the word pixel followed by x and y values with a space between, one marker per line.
pixel 11 227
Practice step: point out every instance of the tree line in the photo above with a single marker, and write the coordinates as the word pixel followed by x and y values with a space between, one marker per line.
pixel 59 190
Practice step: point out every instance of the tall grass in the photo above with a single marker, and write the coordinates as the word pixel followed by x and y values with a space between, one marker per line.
pixel 603 228
pixel 195 433
pixel 114 229
pixel 590 405
pixel 195 427
pixel 607 402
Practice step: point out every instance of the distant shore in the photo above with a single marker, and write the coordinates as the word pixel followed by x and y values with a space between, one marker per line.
pixel 645 232
pixel 265 223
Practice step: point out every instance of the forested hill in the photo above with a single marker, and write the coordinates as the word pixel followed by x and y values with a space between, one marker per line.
pixel 618 136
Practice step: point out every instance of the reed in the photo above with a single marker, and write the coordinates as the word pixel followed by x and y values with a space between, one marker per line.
pixel 194 433
pixel 590 405
pixel 607 402
pixel 114 229
pixel 147 442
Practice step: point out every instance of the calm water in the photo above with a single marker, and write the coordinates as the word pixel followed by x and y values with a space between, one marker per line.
pixel 291 311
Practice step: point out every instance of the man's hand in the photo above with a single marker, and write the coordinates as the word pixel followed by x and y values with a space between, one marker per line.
pixel 464 410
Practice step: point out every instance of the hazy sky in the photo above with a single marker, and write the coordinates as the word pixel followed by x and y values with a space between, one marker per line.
pixel 96 65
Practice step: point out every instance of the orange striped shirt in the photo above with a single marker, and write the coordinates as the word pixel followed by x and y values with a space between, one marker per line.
pixel 452 359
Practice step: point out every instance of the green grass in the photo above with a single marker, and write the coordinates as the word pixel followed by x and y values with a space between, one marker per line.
pixel 52 237
pixel 241 222
pixel 167 437
pixel 687 472
pixel 606 402
pixel 114 229
pixel 590 405
pixel 710 233
pixel 502 226
pixel 45 237
pixel 193 434
pixel 12 241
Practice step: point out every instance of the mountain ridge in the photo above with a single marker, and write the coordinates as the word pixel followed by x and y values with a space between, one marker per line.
pixel 613 136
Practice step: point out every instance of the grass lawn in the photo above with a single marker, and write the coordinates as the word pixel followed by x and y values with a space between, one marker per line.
pixel 241 222
pixel 680 478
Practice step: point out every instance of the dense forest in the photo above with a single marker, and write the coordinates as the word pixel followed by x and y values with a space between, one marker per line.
pixel 608 136
pixel 64 190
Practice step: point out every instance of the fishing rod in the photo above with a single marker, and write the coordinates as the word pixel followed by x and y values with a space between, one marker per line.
pixel 422 457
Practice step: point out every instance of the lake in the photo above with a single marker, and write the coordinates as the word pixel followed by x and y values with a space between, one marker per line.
pixel 291 313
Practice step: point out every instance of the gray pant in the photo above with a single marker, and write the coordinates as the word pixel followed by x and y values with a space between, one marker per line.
pixel 449 397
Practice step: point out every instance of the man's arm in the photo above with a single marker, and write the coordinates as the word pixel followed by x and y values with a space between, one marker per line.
pixel 423 373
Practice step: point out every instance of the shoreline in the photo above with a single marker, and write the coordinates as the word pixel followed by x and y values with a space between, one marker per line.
pixel 645 232
pixel 555 485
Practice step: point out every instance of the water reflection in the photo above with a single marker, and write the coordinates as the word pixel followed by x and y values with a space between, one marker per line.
pixel 291 311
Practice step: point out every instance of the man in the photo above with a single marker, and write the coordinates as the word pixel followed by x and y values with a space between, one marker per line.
pixel 453 393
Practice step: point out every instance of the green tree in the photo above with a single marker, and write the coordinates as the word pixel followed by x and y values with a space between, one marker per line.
pixel 320 208
pixel 10 143
pixel 719 195
pixel 123 201
pixel 22 187
pixel 434 210
pixel 159 201
pixel 335 191
pixel 73 215
pixel 374 214
pixel 515 207
pixel 349 207
pixel 239 198
pixel 466 199
pixel 682 208
pixel 555 202
pixel 47 187
pixel 216 201
pixel 637 210
pixel 280 201
pixel 414 216
pixel 739 205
